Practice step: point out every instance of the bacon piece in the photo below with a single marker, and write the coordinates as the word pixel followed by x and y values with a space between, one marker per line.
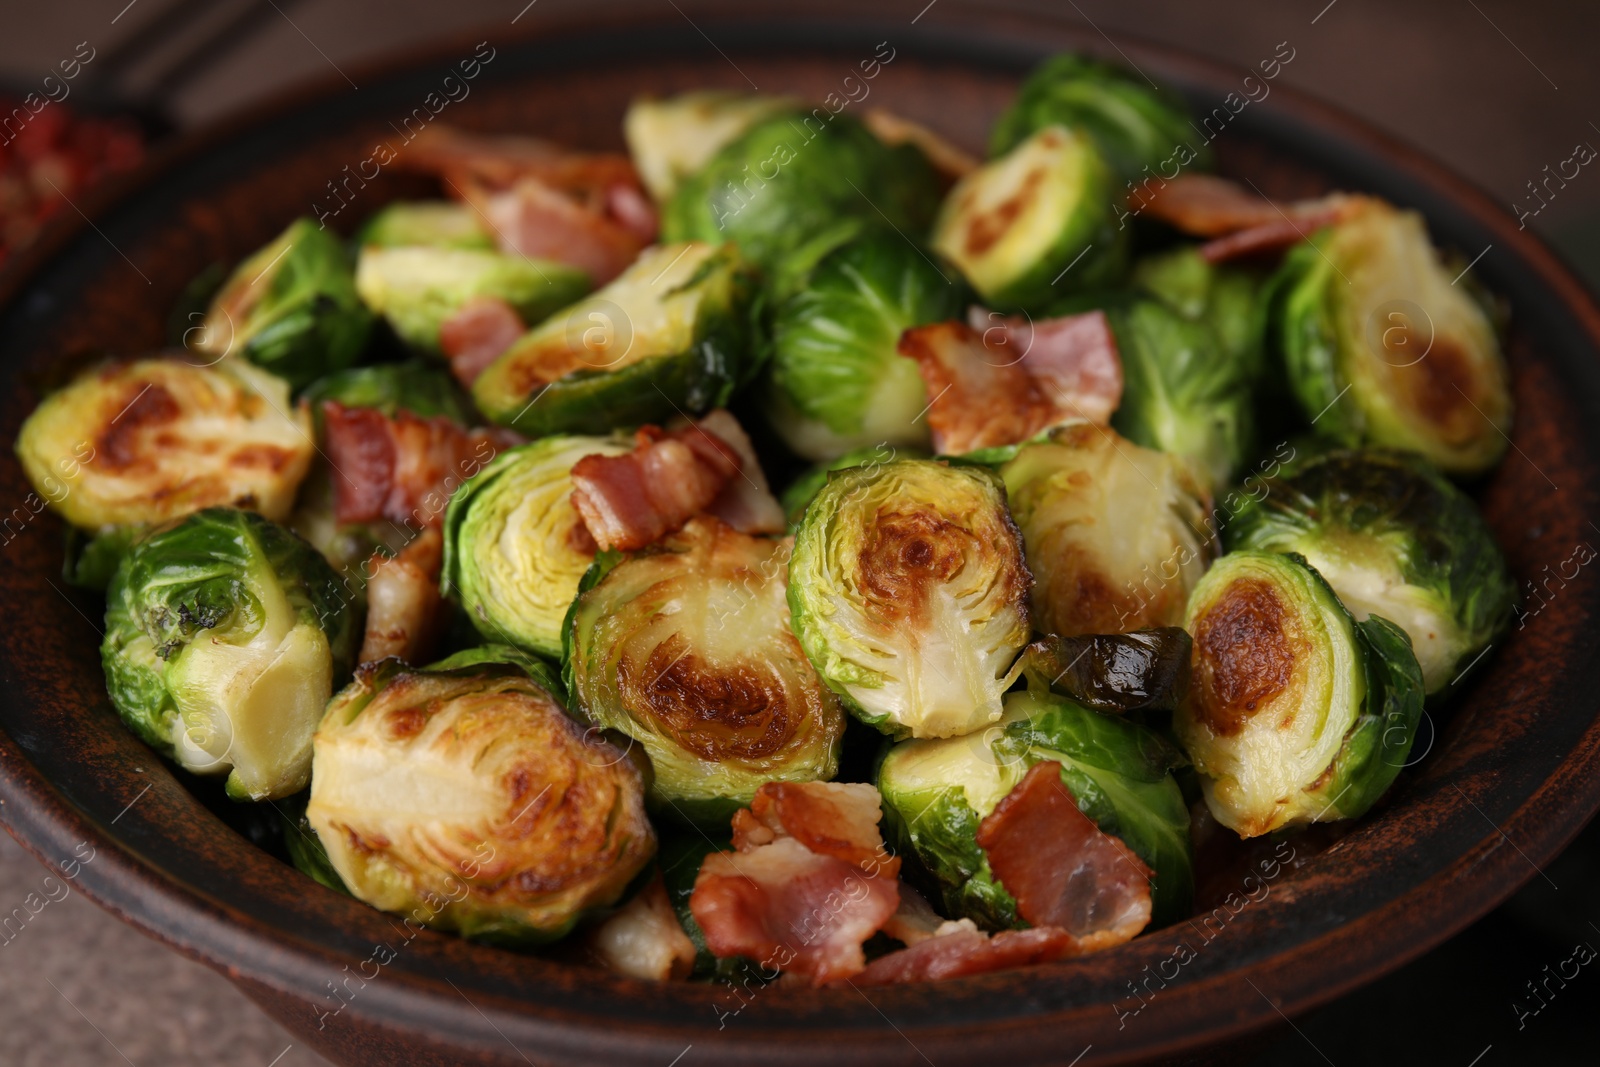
pixel 1271 236
pixel 951 162
pixel 535 220
pixel 403 602
pixel 474 336
pixel 644 938
pixel 1062 869
pixel 780 901
pixel 401 469
pixel 969 951
pixel 1243 222
pixel 746 503
pixel 499 162
pixel 1003 384
pixel 915 921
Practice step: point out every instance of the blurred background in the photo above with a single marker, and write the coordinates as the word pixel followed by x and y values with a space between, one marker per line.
pixel 1497 90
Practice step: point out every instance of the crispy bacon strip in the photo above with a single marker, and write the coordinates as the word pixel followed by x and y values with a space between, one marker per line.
pixel 1271 236
pixel 403 602
pixel 1240 221
pixel 1063 870
pixel 1002 381
pixel 969 951
pixel 401 469
pixel 779 902
pixel 535 220
pixel 644 939
pixel 474 336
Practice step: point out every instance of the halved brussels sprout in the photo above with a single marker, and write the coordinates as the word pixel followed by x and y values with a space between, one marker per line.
pixel 1035 223
pixel 417 386
pixel 152 440
pixel 935 793
pixel 669 336
pixel 417 288
pixel 672 139
pixel 1367 309
pixel 291 308
pixel 515 547
pixel 838 381
pixel 438 223
pixel 1296 712
pixel 794 175
pixel 1115 533
pixel 464 796
pixel 224 637
pixel 1393 538
pixel 910 596
pixel 686 648
pixel 1135 128
pixel 804 489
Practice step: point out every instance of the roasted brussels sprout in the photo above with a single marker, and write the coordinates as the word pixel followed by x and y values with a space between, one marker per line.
pixel 804 489
pixel 436 223
pixel 1228 299
pixel 530 820
pixel 224 637
pixel 686 648
pixel 1296 712
pixel 910 596
pixel 935 793
pixel 1142 670
pixel 1366 309
pixel 1115 533
pixel 1135 128
pixel 838 380
pixel 1393 538
pixel 140 443
pixel 417 288
pixel 422 388
pixel 794 175
pixel 91 558
pixel 1037 222
pixel 670 335
pixel 304 847
pixel 291 308
pixel 672 139
pixel 515 547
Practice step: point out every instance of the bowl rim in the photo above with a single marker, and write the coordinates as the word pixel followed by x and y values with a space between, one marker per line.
pixel 244 947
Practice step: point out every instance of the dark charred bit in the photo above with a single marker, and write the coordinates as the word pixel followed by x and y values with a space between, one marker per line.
pixel 151 405
pixel 904 553
pixel 985 229
pixel 1242 656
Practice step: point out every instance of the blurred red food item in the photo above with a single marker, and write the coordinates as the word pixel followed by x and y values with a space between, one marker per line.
pixel 50 155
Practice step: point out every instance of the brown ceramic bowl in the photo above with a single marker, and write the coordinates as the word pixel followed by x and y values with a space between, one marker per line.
pixel 1511 776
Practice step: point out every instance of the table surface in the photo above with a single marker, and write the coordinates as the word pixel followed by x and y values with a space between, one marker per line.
pixel 1497 90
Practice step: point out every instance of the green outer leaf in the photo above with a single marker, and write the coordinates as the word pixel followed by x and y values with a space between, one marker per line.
pixel 473 660
pixel 1378 744
pixel 91 558
pixel 417 386
pixel 305 848
pixel 804 489
pixel 1308 345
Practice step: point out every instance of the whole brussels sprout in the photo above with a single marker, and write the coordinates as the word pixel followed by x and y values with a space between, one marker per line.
pixel 1115 533
pixel 417 386
pixel 936 792
pixel 1037 222
pixel 1366 308
pixel 417 288
pixel 672 139
pixel 530 821
pixel 291 308
pixel 670 335
pixel 224 636
pixel 838 381
pixel 794 175
pixel 686 648
pixel 515 547
pixel 437 223
pixel 804 489
pixel 1228 299
pixel 1393 538
pixel 910 596
pixel 1136 129
pixel 1296 712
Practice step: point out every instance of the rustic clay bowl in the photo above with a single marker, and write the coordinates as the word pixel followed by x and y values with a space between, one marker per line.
pixel 1511 776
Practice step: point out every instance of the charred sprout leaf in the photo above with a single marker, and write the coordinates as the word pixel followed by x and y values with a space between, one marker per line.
pixel 422 388
pixel 838 382
pixel 1115 533
pixel 290 308
pixel 672 139
pixel 145 442
pixel 910 596
pixel 435 223
pixel 1381 349
pixel 515 547
pixel 686 648
pixel 804 489
pixel 418 287
pixel 1034 223
pixel 937 792
pixel 224 636
pixel 794 175
pixel 465 797
pixel 1143 670
pixel 1393 538
pixel 1296 713
pixel 668 336
pixel 1136 128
